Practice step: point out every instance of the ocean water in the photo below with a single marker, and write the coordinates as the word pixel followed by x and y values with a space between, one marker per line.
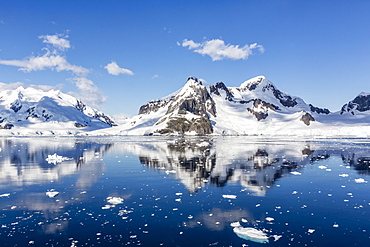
pixel 155 191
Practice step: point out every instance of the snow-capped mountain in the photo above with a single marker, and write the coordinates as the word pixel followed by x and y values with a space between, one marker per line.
pixel 256 107
pixel 30 110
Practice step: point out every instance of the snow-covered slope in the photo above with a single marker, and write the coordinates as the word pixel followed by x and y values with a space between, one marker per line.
pixel 27 111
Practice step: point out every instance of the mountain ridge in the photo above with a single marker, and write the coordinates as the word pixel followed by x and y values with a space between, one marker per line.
pixel 256 107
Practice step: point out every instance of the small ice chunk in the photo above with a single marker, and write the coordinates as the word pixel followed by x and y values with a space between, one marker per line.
pixel 244 220
pixel 322 167
pixel 295 192
pixel 170 171
pixel 5 195
pixel 252 234
pixel 335 225
pixel 229 196
pixel 114 200
pixel 276 237
pixel 343 175
pixel 360 180
pixel 311 231
pixel 52 193
pixel 178 194
pixel 54 159
pixel 296 173
pixel 269 219
pixel 235 224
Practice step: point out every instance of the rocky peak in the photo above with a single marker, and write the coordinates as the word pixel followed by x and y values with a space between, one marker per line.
pixel 255 82
pixel 220 89
pixel 361 103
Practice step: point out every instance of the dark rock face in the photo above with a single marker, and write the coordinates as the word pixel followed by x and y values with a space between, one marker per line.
pixel 153 106
pixel 307 118
pixel 16 106
pixel 199 102
pixel 361 103
pixel 258 115
pixel 285 100
pixel 319 110
pixel 201 126
pixel 220 86
pixel 193 99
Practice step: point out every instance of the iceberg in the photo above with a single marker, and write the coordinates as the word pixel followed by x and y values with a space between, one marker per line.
pixel 252 234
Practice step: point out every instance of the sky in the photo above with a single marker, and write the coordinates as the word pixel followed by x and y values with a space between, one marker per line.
pixel 118 55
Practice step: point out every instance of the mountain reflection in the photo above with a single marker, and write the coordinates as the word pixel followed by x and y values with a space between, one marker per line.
pixel 255 165
pixel 23 161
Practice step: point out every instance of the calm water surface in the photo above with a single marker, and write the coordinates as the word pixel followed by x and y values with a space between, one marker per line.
pixel 184 192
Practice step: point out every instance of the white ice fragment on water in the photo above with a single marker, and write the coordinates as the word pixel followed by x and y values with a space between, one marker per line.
pixel 178 194
pixel 343 175
pixel 114 200
pixel 52 193
pixel 311 231
pixel 257 205
pixel 235 224
pixel 335 225
pixel 328 170
pixel 252 234
pixel 178 200
pixel 31 242
pixel 269 219
pixel 229 196
pixel 190 216
pixel 54 159
pixel 296 173
pixel 5 195
pixel 170 171
pixel 295 192
pixel 322 167
pixel 244 220
pixel 360 180
pixel 276 237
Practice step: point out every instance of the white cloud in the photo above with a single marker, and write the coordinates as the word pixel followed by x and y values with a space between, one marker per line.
pixel 10 86
pixel 57 40
pixel 217 49
pixel 89 92
pixel 155 76
pixel 48 60
pixel 190 43
pixel 114 69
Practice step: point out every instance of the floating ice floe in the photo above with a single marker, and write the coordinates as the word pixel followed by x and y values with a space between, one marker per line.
pixel 52 193
pixel 114 200
pixel 296 173
pixel 229 196
pixel 5 195
pixel 360 180
pixel 269 219
pixel 322 167
pixel 252 234
pixel 235 224
pixel 54 159
pixel 311 231
pixel 343 175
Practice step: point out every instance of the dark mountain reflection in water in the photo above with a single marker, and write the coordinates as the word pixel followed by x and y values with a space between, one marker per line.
pixel 156 191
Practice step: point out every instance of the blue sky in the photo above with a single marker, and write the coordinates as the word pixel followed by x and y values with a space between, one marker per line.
pixel 117 55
